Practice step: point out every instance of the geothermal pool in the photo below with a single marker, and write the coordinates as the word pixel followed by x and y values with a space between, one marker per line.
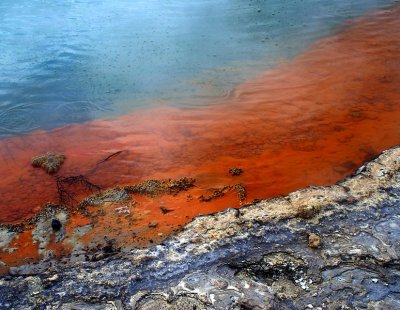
pixel 294 94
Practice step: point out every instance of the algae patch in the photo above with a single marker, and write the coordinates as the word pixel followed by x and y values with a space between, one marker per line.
pixel 112 195
pixel 153 188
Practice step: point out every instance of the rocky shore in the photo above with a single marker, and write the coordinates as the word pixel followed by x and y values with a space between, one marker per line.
pixel 333 247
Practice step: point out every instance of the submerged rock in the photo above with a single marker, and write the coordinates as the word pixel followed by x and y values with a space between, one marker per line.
pixel 50 162
pixel 261 256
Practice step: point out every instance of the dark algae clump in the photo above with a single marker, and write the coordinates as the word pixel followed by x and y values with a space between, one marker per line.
pixel 235 171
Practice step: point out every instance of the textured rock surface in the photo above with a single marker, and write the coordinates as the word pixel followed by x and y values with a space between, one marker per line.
pixel 257 257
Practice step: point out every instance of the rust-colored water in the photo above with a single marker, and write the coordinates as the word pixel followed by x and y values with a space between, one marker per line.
pixel 310 121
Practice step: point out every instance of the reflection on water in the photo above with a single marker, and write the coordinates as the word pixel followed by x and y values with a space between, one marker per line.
pixel 310 121
pixel 69 61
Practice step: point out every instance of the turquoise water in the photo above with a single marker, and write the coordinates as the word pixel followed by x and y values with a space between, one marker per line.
pixel 73 60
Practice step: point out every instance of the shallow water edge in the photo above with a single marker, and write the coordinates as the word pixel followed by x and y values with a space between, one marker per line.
pixel 303 249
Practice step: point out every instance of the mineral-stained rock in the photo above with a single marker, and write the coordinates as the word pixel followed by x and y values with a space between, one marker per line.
pixel 314 241
pixel 50 162
pixel 257 257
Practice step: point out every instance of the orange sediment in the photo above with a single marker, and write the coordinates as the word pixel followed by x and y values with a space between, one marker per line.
pixel 311 121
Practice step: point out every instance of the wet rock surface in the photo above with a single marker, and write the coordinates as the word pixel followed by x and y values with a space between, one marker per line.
pixel 257 257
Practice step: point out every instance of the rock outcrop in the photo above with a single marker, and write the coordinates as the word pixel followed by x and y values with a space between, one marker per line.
pixel 50 162
pixel 333 247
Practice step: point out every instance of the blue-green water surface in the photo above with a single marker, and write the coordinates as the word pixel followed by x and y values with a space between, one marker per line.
pixel 73 60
